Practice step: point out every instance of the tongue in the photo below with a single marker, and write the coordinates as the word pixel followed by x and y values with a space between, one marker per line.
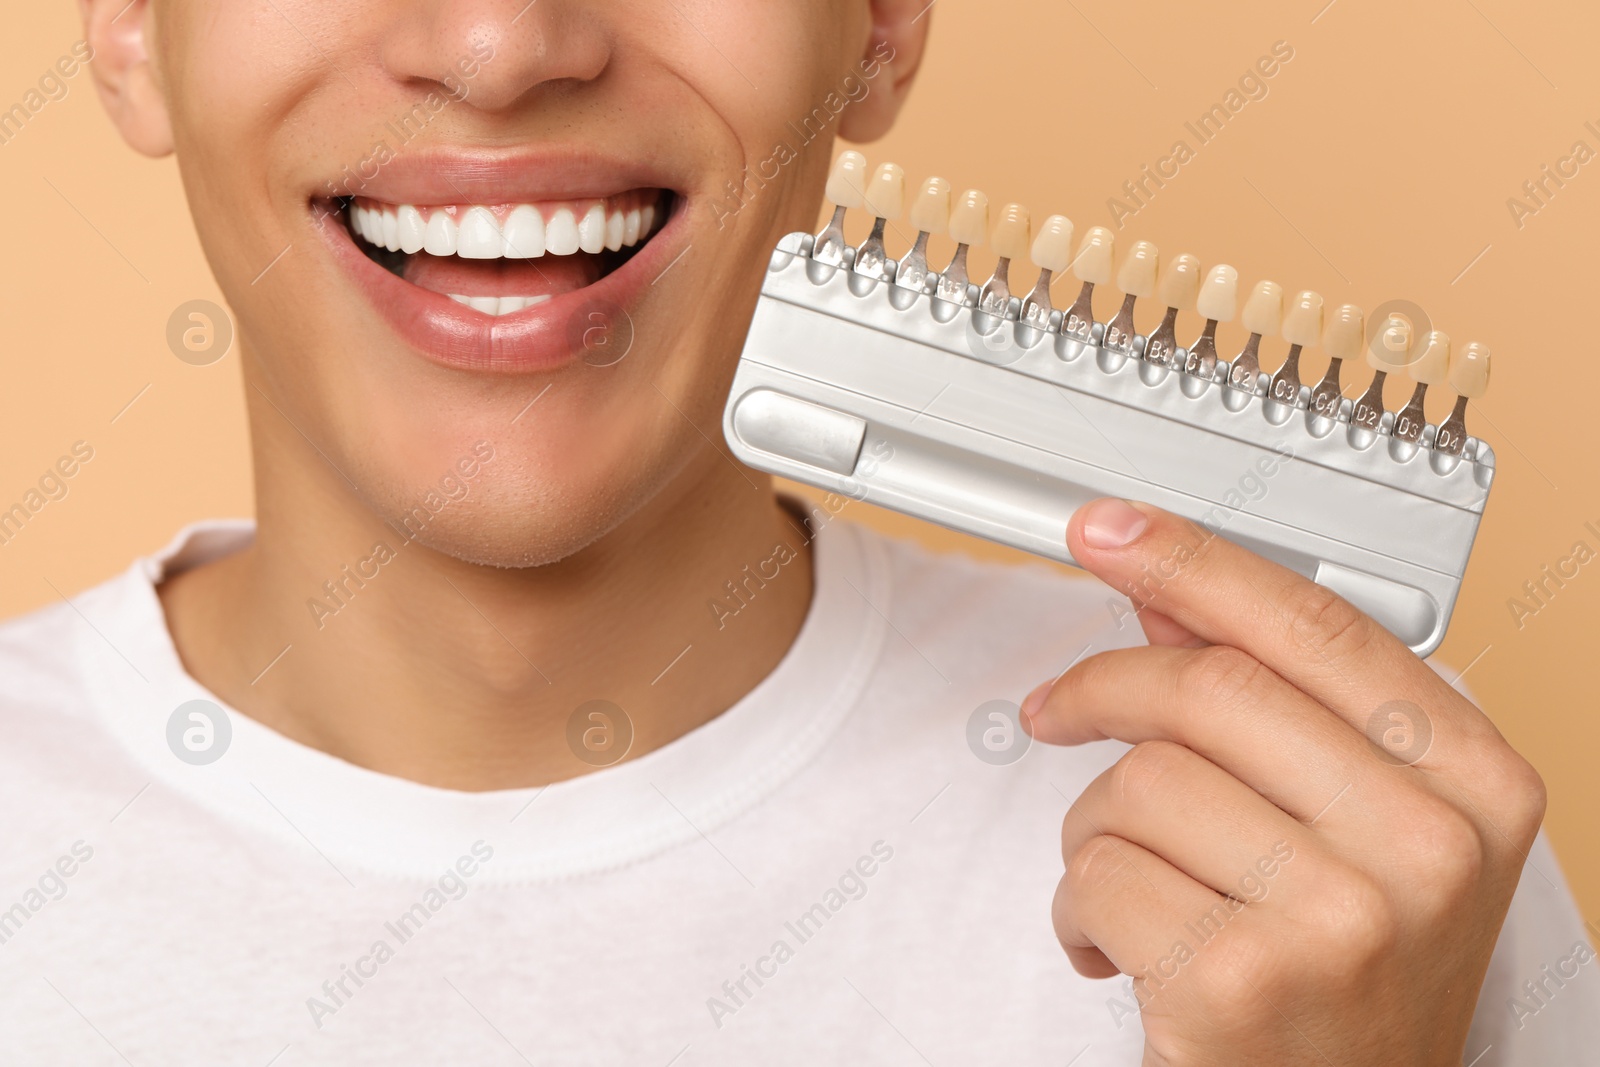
pixel 548 276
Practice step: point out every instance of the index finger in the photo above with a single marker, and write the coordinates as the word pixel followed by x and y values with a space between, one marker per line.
pixel 1227 595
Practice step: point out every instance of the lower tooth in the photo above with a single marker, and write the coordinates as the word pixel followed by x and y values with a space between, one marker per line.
pixel 498 305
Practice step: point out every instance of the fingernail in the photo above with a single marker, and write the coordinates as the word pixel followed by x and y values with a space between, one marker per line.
pixel 1035 699
pixel 1113 524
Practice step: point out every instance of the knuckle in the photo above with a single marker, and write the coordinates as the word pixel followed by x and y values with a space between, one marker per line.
pixel 1094 868
pixel 1223 674
pixel 1458 855
pixel 1355 920
pixel 1237 970
pixel 1518 794
pixel 1326 621
pixel 1061 918
pixel 1146 772
pixel 1445 851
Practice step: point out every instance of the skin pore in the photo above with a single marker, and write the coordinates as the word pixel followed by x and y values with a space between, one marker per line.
pixel 577 560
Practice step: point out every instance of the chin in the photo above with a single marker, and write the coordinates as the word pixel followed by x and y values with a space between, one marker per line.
pixel 513 511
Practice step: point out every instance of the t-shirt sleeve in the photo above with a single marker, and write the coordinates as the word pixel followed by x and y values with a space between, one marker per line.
pixel 1540 1004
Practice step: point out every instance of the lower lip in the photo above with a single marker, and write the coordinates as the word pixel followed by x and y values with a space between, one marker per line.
pixel 545 337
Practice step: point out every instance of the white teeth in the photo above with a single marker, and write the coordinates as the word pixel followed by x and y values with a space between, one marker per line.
pixel 441 236
pixel 411 229
pixel 561 234
pixel 499 305
pixel 524 233
pixel 391 231
pixel 592 230
pixel 479 236
pixel 476 231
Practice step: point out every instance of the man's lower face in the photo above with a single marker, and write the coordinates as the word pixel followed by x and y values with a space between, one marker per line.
pixel 446 224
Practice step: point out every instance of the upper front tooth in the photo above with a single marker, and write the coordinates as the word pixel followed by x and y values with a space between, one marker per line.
pixel 592 230
pixel 475 233
pixel 524 233
pixel 479 237
pixel 441 236
pixel 561 234
pixel 410 229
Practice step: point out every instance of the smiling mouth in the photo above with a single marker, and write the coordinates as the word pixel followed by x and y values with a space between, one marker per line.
pixel 502 259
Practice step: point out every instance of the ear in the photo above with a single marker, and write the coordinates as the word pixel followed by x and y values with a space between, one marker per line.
pixel 895 47
pixel 117 33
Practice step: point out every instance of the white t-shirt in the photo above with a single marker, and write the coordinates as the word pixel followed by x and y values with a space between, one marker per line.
pixel 825 873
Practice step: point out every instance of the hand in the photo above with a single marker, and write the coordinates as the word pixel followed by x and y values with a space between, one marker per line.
pixel 1282 888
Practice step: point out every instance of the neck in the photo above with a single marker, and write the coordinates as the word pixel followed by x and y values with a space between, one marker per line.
pixel 416 664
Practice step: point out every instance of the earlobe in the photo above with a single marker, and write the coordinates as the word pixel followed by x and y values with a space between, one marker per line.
pixel 894 49
pixel 117 35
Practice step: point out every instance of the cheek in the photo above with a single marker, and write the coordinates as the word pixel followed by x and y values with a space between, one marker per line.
pixel 254 93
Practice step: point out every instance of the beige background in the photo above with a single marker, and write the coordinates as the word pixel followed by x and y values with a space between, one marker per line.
pixel 1378 166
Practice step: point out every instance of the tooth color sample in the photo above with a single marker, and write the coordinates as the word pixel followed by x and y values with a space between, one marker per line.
pixel 1138 274
pixel 931 212
pixel 969 222
pixel 1093 262
pixel 847 182
pixel 1052 247
pixel 1263 312
pixel 1219 296
pixel 1302 324
pixel 1180 281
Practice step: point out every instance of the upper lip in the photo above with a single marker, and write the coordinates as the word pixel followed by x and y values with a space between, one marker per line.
pixel 488 176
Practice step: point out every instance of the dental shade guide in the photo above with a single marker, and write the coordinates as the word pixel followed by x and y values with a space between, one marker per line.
pixel 1000 415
